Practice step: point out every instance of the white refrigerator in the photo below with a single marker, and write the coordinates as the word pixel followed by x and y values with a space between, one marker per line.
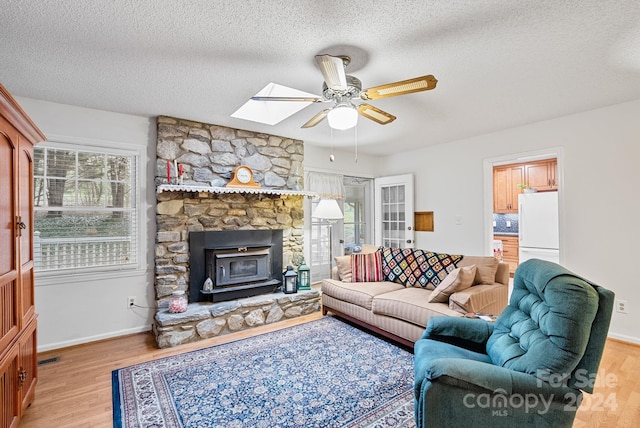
pixel 538 226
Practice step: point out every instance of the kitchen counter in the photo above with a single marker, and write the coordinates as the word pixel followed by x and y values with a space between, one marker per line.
pixel 505 233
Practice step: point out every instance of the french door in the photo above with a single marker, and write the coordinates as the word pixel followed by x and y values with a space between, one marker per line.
pixel 394 211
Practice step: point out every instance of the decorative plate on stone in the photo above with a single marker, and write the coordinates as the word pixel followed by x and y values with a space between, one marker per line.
pixel 243 177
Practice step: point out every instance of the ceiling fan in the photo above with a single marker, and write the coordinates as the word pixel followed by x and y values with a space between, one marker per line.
pixel 342 90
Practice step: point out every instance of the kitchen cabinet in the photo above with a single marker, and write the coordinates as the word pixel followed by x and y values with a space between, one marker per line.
pixel 18 367
pixel 541 175
pixel 510 251
pixel 505 188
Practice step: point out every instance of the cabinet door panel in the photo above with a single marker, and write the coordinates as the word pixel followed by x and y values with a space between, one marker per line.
pixel 25 195
pixel 28 368
pixel 7 207
pixel 25 198
pixel 516 176
pixel 8 267
pixel 553 173
pixel 9 402
pixel 500 194
pixel 538 176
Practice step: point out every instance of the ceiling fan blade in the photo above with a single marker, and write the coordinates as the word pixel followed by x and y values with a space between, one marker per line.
pixel 375 114
pixel 417 84
pixel 316 119
pixel 332 68
pixel 303 99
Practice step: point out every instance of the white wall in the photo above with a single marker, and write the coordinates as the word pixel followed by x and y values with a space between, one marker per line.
pixel 317 159
pixel 599 201
pixel 71 311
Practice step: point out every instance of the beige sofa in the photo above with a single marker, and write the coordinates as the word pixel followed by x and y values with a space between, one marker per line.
pixel 401 312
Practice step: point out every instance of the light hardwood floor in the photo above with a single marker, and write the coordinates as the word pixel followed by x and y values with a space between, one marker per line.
pixel 76 390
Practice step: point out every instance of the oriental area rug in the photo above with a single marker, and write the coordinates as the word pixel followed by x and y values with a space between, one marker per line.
pixel 323 373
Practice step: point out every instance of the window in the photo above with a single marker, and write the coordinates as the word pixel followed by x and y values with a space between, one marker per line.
pixel 84 208
pixel 356 215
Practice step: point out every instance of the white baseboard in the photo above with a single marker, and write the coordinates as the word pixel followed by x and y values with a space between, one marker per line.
pixel 95 338
pixel 625 338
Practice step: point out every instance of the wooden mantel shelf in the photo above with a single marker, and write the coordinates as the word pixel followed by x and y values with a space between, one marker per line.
pixel 220 190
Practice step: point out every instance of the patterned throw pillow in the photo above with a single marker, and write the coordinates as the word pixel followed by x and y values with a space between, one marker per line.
pixel 366 267
pixel 410 266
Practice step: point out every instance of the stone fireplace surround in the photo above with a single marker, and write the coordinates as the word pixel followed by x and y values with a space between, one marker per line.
pixel 209 154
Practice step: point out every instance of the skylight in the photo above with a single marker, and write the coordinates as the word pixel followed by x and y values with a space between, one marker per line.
pixel 273 112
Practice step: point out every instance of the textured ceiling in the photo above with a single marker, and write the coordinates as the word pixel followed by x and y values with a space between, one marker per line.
pixel 499 63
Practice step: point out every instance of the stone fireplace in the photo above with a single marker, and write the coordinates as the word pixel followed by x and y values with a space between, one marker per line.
pixel 187 210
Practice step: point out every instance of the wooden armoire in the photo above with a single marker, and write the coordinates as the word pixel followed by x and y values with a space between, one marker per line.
pixel 18 365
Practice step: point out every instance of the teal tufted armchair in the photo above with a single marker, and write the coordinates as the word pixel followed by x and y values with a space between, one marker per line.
pixel 529 368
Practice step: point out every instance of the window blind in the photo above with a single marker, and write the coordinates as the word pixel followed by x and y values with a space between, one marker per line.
pixel 84 209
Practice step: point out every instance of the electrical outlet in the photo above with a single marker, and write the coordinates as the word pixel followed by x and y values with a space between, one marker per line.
pixel 621 306
pixel 131 301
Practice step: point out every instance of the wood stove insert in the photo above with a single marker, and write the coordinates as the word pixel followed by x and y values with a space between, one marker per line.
pixel 239 263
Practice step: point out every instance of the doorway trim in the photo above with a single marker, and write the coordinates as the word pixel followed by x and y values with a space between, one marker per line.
pixel 489 163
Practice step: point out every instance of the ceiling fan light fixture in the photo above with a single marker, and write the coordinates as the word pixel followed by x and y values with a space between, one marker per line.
pixel 343 116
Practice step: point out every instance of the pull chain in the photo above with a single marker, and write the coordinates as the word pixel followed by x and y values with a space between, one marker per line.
pixel 331 157
pixel 356 141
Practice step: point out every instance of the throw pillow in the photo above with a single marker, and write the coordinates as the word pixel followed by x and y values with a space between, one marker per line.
pixel 486 273
pixel 459 279
pixel 410 266
pixel 366 267
pixel 343 264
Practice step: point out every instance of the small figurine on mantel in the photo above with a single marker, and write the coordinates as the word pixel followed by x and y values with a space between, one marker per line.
pixel 208 285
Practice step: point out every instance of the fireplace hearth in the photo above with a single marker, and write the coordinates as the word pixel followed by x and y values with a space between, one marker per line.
pixel 228 265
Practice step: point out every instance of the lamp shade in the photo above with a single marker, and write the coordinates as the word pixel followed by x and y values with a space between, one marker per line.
pixel 343 116
pixel 327 209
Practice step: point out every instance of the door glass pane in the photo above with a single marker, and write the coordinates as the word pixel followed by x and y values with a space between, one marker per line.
pixel 393 224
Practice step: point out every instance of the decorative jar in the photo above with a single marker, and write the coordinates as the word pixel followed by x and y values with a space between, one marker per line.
pixel 178 302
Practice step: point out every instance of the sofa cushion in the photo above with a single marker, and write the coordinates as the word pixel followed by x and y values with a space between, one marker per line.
pixel 458 280
pixel 409 304
pixel 366 267
pixel 482 298
pixel 358 293
pixel 343 263
pixel 486 268
pixel 410 266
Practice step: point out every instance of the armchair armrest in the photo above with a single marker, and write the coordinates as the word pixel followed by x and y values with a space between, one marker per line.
pixel 476 375
pixel 454 329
